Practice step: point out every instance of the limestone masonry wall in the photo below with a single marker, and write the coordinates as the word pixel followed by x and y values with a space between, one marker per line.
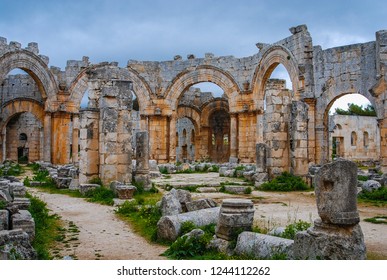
pixel 318 78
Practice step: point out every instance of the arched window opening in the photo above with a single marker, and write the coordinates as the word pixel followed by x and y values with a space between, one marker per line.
pixel 365 139
pixel 353 138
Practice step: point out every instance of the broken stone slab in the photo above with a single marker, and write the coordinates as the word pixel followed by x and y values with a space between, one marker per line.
pixel 125 191
pixel 183 196
pixel 35 184
pixel 74 184
pixel 144 179
pixel 153 165
pixel 207 189
pixel 154 174
pixel 63 182
pixel 170 205
pixel 24 221
pixel 370 185
pixel 118 202
pixel 15 244
pixel 222 171
pixel 336 193
pixel 17 189
pixel 236 189
pixel 249 175
pixel 84 188
pixel 21 203
pixel 5 197
pixel 168 227
pixel 4 220
pixel 330 242
pixel 199 204
pixel 235 215
pixel 263 246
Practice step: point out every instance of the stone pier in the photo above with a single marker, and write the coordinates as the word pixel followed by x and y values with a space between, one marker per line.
pixel 142 159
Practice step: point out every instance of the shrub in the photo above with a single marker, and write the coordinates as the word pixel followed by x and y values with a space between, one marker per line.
pixel 285 182
pixel 101 195
pixel 3 204
pixel 362 177
pixel 375 195
pixel 248 190
pixel 292 229
pixel 186 227
pixel 185 247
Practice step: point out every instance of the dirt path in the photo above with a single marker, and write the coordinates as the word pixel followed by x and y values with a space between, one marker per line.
pixel 101 234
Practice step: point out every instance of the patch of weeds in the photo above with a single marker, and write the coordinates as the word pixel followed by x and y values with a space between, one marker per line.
pixel 26 182
pixel 378 195
pixel 167 176
pixel 96 180
pixel 3 204
pixel 362 178
pixel 34 166
pixel 101 195
pixel 291 230
pixel 285 182
pixel 248 190
pixel 377 220
pixel 215 168
pixel 163 170
pixel 187 227
pixel 188 248
pixel 142 213
pixel 46 228
pixel 11 169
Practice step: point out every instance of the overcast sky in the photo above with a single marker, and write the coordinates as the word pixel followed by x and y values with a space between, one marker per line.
pixel 119 30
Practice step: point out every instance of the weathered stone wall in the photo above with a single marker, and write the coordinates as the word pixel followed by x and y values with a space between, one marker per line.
pixel 19 86
pixel 185 146
pixel 28 124
pixel 364 145
pixel 318 78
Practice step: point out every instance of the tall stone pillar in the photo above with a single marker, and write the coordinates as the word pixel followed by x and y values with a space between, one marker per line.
pixel 142 159
pixel 276 127
pixel 115 132
pixel 89 145
pixel 47 137
pixel 311 129
pixel 383 144
pixel 75 140
pixel 299 138
pixel 233 138
pixel 61 141
pixel 172 138
pixel 4 144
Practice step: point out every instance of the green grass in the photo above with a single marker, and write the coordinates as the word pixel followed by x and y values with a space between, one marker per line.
pixel 101 195
pixel 142 214
pixel 47 228
pixel 292 229
pixel 11 169
pixel 377 197
pixel 362 178
pixel 377 220
pixel 285 182
pixel 3 204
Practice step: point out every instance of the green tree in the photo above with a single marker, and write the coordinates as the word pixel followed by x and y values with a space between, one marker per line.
pixel 356 110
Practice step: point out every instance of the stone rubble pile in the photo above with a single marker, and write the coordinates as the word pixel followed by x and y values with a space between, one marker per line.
pixel 17 227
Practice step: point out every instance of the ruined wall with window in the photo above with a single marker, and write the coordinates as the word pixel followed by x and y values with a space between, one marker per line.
pixel 354 137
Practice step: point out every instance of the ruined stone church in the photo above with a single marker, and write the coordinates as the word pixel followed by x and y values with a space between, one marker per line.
pixel 42 117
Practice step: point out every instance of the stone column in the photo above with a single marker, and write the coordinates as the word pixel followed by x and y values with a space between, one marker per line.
pixel 383 144
pixel 337 233
pixel 233 137
pixel 47 137
pixel 172 138
pixel 261 157
pixel 4 143
pixel 75 140
pixel 311 129
pixel 61 137
pixel 260 119
pixel 235 215
pixel 299 138
pixel 276 127
pixel 142 159
pixel 89 145
pixel 115 132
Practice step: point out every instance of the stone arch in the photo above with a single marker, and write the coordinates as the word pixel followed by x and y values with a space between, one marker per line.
pixel 322 123
pixel 205 73
pixel 140 87
pixel 209 108
pixel 17 107
pixel 189 112
pixel 21 106
pixel 271 58
pixel 36 68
